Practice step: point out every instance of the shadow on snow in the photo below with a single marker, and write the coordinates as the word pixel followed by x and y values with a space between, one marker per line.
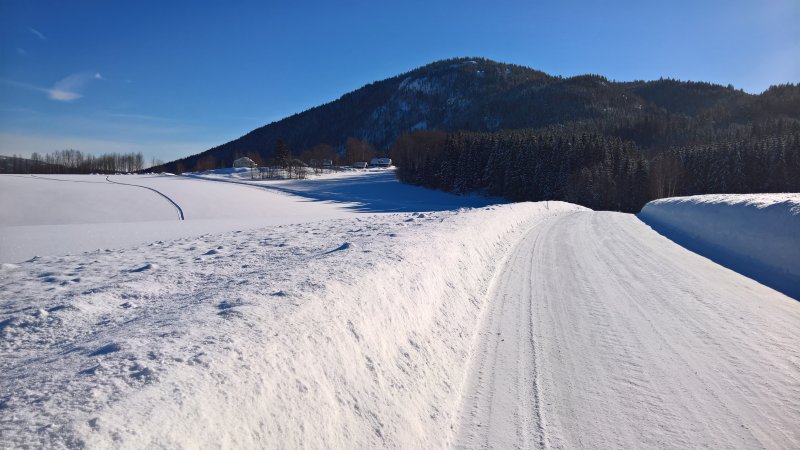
pixel 782 282
pixel 370 193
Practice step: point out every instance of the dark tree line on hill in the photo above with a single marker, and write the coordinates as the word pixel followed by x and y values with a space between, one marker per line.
pixel 600 171
pixel 74 162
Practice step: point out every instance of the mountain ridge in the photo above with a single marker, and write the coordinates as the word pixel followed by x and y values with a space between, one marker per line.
pixel 477 94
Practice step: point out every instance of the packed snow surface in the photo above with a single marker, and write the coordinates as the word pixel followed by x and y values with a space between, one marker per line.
pixel 600 333
pixel 755 234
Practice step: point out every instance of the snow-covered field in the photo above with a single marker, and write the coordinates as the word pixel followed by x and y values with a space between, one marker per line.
pixel 755 234
pixel 351 311
pixel 60 214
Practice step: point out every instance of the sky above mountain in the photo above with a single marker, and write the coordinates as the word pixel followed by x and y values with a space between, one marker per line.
pixel 171 79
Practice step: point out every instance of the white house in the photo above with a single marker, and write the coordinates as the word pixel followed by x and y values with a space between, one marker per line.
pixel 380 162
pixel 244 162
pixel 360 164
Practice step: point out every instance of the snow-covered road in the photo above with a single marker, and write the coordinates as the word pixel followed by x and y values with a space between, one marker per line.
pixel 600 333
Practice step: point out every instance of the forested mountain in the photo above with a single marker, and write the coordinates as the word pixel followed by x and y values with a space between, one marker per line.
pixel 448 95
pixel 492 114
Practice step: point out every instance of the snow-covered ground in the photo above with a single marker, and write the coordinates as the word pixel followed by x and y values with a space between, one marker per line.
pixel 75 199
pixel 351 311
pixel 60 214
pixel 755 234
pixel 340 333
pixel 367 190
pixel 601 333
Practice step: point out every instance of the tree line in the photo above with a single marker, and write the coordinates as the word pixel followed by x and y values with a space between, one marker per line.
pixel 76 162
pixel 600 171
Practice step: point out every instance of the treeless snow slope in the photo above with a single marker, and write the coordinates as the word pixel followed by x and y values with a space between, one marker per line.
pixel 347 333
pixel 755 234
pixel 603 334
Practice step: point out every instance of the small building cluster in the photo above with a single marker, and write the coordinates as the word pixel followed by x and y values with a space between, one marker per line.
pixel 300 169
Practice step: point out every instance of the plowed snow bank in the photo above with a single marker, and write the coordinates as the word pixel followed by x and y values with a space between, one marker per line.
pixel 757 235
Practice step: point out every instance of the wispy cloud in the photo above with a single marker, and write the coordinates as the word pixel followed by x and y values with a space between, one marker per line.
pixel 38 33
pixel 65 90
pixel 21 51
pixel 68 89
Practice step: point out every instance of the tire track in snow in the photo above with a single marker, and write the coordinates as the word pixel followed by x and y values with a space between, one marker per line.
pixel 174 203
pixel 501 405
pixel 634 342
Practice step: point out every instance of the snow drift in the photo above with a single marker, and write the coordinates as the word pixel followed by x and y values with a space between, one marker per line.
pixel 349 333
pixel 757 235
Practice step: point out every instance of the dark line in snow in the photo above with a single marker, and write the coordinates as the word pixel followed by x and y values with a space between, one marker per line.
pixel 66 181
pixel 180 211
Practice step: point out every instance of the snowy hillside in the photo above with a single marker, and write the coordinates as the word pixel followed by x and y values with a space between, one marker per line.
pixel 755 234
pixel 343 333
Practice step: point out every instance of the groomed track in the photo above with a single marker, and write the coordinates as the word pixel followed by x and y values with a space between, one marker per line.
pixel 600 333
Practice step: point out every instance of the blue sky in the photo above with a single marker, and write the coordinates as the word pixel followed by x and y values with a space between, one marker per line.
pixel 170 78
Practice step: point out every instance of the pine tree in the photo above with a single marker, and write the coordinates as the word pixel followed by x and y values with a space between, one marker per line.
pixel 282 156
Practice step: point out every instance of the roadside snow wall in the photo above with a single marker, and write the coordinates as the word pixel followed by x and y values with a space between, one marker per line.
pixel 757 235
pixel 350 333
